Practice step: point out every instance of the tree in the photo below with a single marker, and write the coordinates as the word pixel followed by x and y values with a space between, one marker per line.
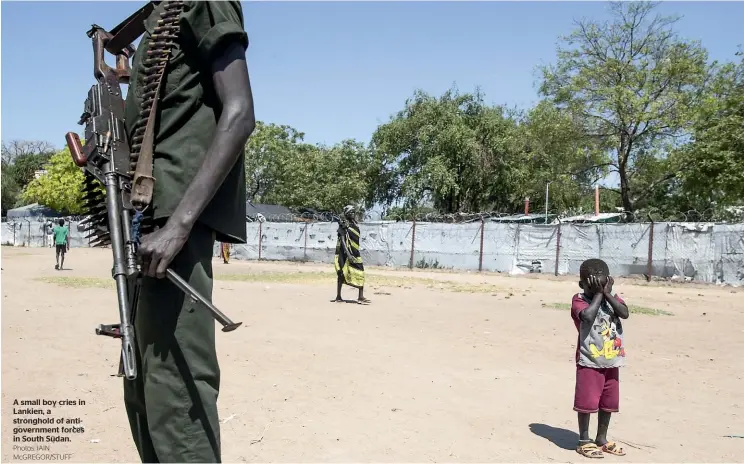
pixel 20 160
pixel 713 163
pixel 635 83
pixel 559 152
pixel 61 188
pixel 18 148
pixel 10 190
pixel 282 169
pixel 453 151
pixel 324 178
pixel 266 154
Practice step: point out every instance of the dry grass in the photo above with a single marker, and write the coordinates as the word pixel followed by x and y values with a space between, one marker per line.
pixel 78 282
pixel 633 309
pixel 374 281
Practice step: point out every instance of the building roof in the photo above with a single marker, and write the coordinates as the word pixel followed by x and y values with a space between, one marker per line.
pixel 33 210
pixel 601 217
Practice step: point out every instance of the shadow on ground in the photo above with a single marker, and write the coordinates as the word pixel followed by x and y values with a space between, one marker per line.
pixel 562 438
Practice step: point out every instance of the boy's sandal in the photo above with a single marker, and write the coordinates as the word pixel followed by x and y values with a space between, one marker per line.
pixel 364 301
pixel 590 450
pixel 613 448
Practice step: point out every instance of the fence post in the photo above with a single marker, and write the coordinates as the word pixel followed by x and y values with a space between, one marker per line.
pixel 557 247
pixel 307 224
pixel 650 266
pixel 260 238
pixel 480 255
pixel 413 243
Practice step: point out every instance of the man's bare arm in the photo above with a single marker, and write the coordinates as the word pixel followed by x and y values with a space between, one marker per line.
pixel 235 125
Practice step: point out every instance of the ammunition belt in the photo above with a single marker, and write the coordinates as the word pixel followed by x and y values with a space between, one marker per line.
pixel 157 56
pixel 158 52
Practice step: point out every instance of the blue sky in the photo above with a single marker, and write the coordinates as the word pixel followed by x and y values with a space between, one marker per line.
pixel 333 70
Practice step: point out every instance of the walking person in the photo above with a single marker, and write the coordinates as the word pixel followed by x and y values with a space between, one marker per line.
pixel 61 237
pixel 348 258
pixel 49 228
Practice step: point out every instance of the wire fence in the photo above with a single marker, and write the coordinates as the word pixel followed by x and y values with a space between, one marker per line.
pixel 732 215
pixel 685 250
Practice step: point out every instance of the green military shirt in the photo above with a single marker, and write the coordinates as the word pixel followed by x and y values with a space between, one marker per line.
pixel 188 111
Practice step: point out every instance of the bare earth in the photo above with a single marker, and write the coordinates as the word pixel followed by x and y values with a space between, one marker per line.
pixel 461 368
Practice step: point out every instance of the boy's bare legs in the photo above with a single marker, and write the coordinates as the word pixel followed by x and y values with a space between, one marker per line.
pixel 602 426
pixel 584 427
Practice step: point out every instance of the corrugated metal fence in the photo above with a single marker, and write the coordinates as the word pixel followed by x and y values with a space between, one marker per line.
pixel 700 251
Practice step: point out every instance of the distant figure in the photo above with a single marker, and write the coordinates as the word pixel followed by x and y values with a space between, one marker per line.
pixel 348 259
pixel 597 314
pixel 225 247
pixel 61 236
pixel 50 234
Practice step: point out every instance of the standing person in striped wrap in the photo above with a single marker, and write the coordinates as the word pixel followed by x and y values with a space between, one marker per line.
pixel 225 252
pixel 348 259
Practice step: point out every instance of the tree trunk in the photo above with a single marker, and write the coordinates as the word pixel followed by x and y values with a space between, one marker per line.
pixel 625 190
pixel 622 169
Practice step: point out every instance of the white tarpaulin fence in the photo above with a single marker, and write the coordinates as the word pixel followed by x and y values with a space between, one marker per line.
pixel 700 251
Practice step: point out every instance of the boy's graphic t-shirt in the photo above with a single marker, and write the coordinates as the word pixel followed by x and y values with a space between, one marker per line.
pixel 600 344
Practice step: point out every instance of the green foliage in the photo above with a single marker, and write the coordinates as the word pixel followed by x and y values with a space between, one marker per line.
pixel 267 153
pixel 454 151
pixel 424 264
pixel 20 160
pixel 559 152
pixel 61 188
pixel 635 83
pixel 462 155
pixel 281 169
pixel 712 166
pixel 10 189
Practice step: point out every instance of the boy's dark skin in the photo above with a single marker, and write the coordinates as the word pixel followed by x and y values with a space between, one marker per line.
pixel 236 122
pixel 598 288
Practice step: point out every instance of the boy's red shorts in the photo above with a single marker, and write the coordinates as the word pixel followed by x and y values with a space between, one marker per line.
pixel 597 389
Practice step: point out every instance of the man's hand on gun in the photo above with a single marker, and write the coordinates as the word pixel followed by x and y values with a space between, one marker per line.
pixel 158 249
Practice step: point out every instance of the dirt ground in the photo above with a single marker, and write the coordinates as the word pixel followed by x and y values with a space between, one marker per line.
pixel 441 367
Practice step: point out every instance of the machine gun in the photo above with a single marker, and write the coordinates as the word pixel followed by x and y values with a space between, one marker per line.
pixel 106 159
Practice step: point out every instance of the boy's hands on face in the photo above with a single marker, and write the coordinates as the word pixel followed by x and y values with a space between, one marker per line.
pixel 607 290
pixel 595 287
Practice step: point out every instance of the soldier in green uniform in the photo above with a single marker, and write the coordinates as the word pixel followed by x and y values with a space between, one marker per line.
pixel 205 117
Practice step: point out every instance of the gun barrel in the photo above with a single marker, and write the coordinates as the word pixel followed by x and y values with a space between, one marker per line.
pixel 227 324
pixel 113 200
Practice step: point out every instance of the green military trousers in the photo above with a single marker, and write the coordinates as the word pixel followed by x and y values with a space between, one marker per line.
pixel 172 404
